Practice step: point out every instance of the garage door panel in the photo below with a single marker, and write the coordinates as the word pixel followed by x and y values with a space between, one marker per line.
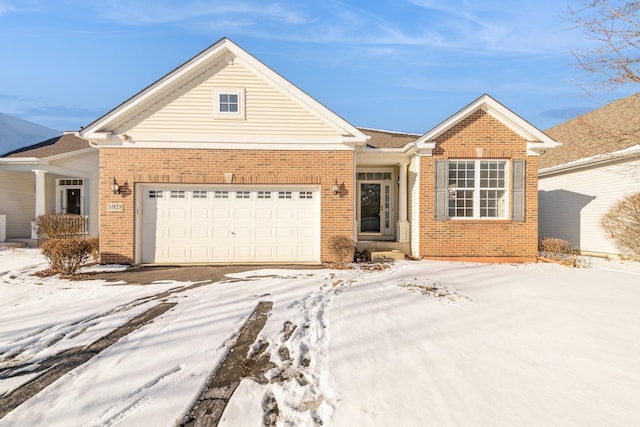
pixel 264 252
pixel 200 233
pixel 177 233
pixel 221 253
pixel 221 233
pixel 177 213
pixel 285 214
pixel 198 254
pixel 221 213
pixel 305 214
pixel 178 253
pixel 205 224
pixel 199 213
pixel 264 233
pixel 242 252
pixel 285 233
pixel 242 214
pixel 264 213
pixel 305 233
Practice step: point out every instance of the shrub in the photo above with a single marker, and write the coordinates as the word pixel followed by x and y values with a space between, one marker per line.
pixel 342 249
pixel 561 250
pixel 622 222
pixel 94 245
pixel 554 247
pixel 58 226
pixel 66 255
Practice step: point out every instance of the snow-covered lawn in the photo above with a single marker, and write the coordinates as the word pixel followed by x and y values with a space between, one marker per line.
pixel 419 343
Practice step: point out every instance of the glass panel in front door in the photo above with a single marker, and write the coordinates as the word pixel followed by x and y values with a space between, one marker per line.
pixel 370 208
pixel 73 201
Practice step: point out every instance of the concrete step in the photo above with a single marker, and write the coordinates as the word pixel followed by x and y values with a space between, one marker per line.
pixel 382 254
pixel 12 245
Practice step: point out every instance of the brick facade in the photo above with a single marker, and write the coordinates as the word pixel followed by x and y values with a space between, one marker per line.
pixel 488 239
pixel 131 166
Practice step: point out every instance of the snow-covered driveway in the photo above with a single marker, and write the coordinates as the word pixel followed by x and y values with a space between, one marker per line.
pixel 420 343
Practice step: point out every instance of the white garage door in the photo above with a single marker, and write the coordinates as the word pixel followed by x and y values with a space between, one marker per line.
pixel 197 223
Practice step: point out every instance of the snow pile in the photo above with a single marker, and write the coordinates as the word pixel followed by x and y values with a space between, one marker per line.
pixel 419 343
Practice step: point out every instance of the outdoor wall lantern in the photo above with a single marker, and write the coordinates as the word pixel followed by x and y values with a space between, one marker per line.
pixel 336 187
pixel 115 187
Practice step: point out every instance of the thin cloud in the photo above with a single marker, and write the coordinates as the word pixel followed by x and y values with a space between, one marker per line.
pixel 130 12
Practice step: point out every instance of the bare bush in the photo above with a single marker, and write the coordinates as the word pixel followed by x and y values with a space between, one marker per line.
pixel 60 226
pixel 94 245
pixel 66 255
pixel 342 249
pixel 555 247
pixel 622 222
pixel 561 250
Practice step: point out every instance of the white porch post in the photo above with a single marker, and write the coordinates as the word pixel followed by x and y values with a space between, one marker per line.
pixel 40 199
pixel 402 227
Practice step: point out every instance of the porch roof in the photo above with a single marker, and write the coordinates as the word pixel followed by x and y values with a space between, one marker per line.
pixel 66 143
pixel 388 139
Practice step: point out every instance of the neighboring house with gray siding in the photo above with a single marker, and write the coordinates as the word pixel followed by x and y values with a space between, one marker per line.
pixel 597 165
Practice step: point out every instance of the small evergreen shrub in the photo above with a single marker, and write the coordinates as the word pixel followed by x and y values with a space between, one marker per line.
pixel 342 249
pixel 65 256
pixel 60 226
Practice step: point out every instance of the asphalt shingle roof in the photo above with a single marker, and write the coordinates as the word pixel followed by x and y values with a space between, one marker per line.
pixel 59 145
pixel 388 139
pixel 613 127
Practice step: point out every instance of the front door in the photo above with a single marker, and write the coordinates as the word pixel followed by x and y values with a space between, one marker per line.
pixel 74 202
pixel 375 209
pixel 370 207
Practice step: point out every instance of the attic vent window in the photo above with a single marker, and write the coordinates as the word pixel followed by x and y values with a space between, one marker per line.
pixel 229 104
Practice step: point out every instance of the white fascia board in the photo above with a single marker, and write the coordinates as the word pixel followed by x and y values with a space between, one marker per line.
pixel 630 152
pixel 236 146
pixel 19 160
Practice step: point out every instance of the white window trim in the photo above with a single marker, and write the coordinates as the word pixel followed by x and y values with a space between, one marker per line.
pixel 240 114
pixel 476 192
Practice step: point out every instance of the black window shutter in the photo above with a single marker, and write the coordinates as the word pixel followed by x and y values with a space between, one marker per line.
pixel 518 167
pixel 442 179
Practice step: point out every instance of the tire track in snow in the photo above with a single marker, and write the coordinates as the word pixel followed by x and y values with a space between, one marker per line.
pixel 137 399
pixel 26 348
pixel 57 366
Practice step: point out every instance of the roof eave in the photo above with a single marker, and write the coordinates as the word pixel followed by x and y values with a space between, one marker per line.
pixel 631 152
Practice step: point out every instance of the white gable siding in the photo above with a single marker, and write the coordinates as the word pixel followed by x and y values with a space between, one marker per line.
pixel 414 204
pixel 190 110
pixel 17 203
pixel 572 204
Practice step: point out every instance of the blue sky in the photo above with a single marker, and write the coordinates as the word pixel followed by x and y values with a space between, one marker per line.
pixel 385 64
